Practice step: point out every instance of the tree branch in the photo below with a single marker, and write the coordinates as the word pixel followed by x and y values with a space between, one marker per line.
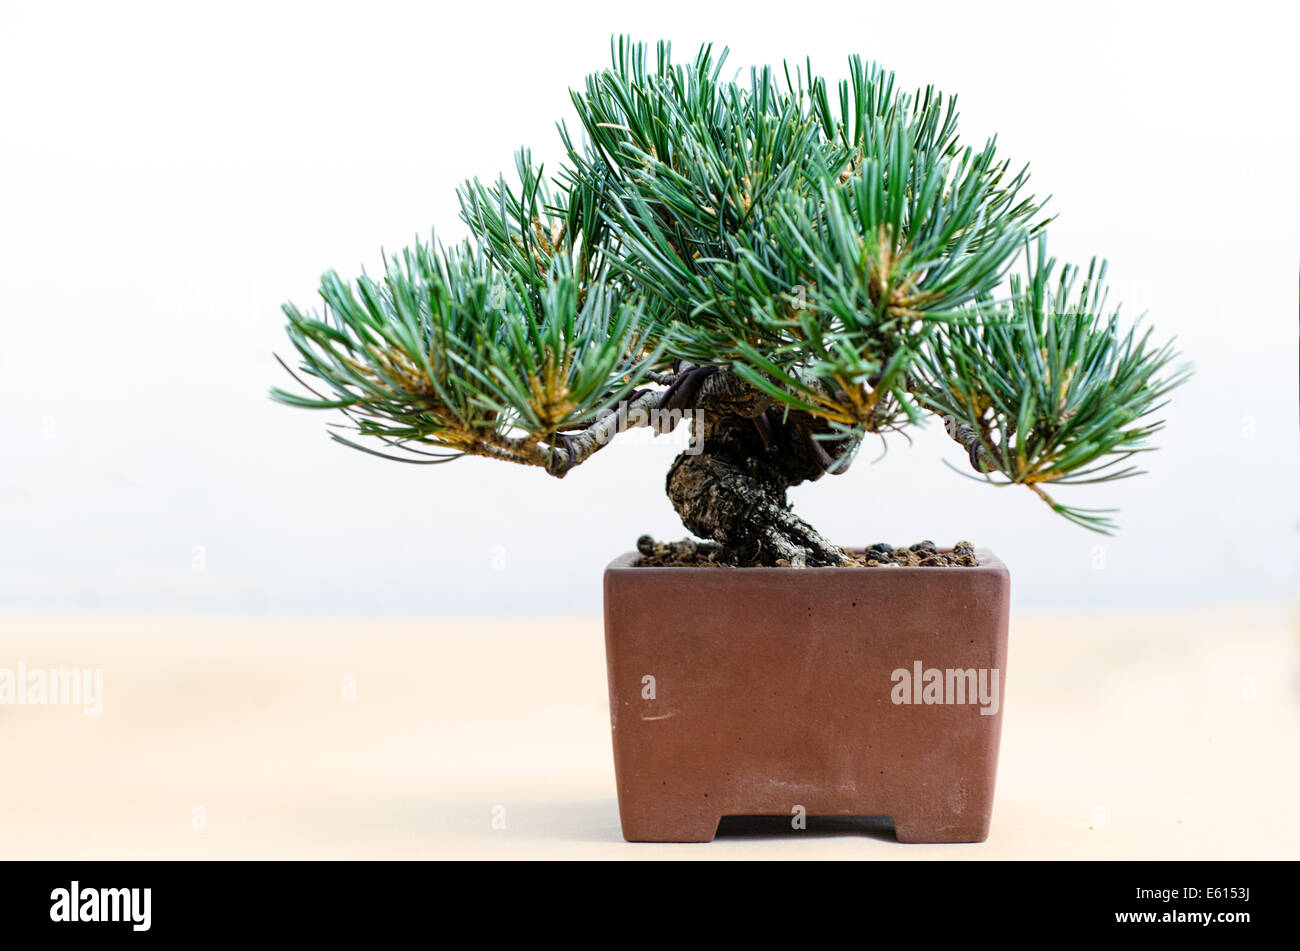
pixel 969 438
pixel 575 448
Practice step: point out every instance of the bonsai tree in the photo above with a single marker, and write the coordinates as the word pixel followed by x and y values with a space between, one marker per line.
pixel 785 267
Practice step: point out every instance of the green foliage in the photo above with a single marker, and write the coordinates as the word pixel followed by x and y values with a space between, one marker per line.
pixel 524 230
pixel 808 246
pixel 451 352
pixel 838 247
pixel 1056 391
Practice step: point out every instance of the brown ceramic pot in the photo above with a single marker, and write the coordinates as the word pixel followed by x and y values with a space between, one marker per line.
pixel 795 692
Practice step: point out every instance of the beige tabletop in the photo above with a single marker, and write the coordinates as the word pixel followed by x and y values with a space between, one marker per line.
pixel 1127 735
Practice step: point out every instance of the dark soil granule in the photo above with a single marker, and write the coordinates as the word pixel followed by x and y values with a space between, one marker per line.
pixel 689 553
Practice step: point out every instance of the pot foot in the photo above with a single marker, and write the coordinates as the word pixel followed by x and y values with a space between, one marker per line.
pixel 673 828
pixel 919 830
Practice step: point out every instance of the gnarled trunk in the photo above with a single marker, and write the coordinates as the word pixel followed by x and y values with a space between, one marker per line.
pixel 730 486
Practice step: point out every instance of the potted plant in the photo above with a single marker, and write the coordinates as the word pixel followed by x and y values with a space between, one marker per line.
pixel 785 268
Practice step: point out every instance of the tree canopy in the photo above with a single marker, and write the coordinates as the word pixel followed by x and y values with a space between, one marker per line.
pixel 836 247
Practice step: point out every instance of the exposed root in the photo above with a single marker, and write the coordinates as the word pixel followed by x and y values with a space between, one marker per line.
pixel 731 487
pixel 734 505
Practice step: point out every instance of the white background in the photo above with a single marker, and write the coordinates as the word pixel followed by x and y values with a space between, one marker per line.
pixel 169 175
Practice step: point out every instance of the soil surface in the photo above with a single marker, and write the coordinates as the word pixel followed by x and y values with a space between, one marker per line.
pixel 689 553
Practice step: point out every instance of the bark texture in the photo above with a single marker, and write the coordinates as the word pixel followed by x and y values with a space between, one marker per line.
pixel 731 485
